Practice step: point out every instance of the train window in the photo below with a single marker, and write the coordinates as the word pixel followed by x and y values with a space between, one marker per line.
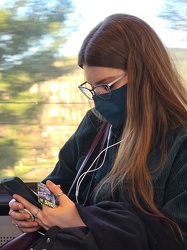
pixel 40 105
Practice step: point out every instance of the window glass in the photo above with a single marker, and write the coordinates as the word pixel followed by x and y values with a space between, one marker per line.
pixel 40 104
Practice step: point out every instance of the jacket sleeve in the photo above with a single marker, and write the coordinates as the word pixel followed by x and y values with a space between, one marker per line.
pixel 73 153
pixel 175 201
pixel 119 225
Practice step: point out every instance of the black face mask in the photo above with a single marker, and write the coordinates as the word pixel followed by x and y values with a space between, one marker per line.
pixel 113 110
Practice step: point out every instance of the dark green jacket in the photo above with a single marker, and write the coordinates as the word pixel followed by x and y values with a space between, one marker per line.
pixel 170 184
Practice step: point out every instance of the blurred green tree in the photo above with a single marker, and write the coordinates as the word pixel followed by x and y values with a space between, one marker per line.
pixel 32 34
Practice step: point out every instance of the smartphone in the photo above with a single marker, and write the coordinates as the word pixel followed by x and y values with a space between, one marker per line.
pixel 14 185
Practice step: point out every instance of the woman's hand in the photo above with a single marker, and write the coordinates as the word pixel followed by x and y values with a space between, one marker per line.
pixel 22 220
pixel 64 215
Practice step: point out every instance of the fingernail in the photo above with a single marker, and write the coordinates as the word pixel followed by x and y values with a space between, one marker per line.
pixel 27 216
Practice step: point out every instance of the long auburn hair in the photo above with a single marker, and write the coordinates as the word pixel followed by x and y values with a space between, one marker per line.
pixel 156 98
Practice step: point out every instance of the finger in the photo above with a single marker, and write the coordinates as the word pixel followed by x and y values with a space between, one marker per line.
pixel 14 205
pixel 10 212
pixel 23 201
pixel 55 189
pixel 26 226
pixel 30 208
pixel 16 215
pixel 15 208
pixel 27 211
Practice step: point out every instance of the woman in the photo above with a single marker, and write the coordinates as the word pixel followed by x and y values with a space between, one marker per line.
pixel 137 194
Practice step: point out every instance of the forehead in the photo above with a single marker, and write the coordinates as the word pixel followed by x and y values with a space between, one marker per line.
pixel 95 74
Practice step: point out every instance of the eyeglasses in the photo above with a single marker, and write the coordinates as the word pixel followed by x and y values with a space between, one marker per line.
pixel 102 90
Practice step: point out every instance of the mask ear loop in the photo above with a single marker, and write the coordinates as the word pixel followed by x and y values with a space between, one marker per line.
pixel 82 176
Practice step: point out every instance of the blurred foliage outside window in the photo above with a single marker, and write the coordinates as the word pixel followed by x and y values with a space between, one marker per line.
pixel 38 86
pixel 40 104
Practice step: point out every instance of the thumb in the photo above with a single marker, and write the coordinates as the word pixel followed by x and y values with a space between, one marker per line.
pixel 59 194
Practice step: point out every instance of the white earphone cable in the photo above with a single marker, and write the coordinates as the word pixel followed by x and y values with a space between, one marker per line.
pixel 82 176
pixel 89 170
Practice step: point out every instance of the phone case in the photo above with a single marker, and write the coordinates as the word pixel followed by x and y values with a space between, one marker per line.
pixel 15 185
